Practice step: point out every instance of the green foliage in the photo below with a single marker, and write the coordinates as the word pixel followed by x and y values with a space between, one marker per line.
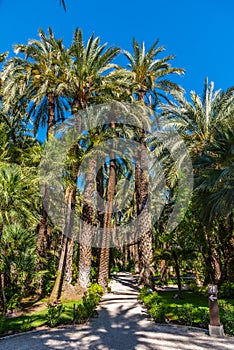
pixel 158 313
pixel 18 262
pixel 144 291
pixel 227 290
pixel 227 317
pixel 53 314
pixel 190 315
pixel 152 301
pixel 96 289
pixel 14 301
pixel 86 310
pixel 26 325
pixel 194 288
pixel 161 307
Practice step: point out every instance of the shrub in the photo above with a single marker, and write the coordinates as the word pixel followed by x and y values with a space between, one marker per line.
pixel 227 290
pixel 14 302
pixel 85 310
pixel 185 314
pixel 151 299
pixel 144 291
pixel 227 318
pixel 95 288
pixel 158 313
pixel 53 313
pixel 228 321
pixel 26 325
pixel 190 315
pixel 201 316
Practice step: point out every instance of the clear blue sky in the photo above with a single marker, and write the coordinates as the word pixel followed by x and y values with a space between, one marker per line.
pixel 199 33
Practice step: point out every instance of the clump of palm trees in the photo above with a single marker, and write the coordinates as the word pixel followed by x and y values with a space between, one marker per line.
pixel 45 84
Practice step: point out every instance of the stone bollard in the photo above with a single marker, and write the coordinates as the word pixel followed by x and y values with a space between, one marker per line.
pixel 215 328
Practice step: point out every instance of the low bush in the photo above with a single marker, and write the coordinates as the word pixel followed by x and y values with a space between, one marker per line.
pixel 189 315
pixel 227 316
pixel 53 314
pixel 86 310
pixel 26 325
pixel 158 313
pixel 226 290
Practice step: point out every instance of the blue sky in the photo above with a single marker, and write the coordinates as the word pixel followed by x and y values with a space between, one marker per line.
pixel 199 33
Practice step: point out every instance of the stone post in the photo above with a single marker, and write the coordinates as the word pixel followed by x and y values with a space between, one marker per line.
pixel 215 328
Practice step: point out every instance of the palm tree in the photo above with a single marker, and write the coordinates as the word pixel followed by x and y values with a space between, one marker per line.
pixel 19 198
pixel 150 74
pixel 86 85
pixel 203 123
pixel 215 189
pixel 40 79
pixel 197 120
pixel 36 84
pixel 18 261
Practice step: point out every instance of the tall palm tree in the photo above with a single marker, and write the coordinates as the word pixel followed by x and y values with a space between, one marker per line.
pixel 86 77
pixel 204 123
pixel 197 120
pixel 215 189
pixel 150 74
pixel 36 84
pixel 40 79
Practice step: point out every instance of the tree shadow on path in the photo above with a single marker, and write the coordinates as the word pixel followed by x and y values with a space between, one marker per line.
pixel 121 324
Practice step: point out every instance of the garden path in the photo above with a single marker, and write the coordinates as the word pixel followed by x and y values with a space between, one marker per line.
pixel 122 324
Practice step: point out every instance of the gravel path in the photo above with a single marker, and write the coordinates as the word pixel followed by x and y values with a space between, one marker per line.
pixel 122 324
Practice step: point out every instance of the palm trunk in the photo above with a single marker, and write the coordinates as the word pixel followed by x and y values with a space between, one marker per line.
pixel 1 230
pixel 2 289
pixel 63 255
pixel 103 273
pixel 177 270
pixel 51 115
pixel 2 281
pixel 145 245
pixel 143 208
pixel 71 198
pixel 65 275
pixel 42 239
pixel 58 282
pixel 87 228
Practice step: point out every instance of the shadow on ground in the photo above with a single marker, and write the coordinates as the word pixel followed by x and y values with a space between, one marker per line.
pixel 121 324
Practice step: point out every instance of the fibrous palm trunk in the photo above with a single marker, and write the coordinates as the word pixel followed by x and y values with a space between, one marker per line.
pixel 87 227
pixel 103 273
pixel 42 237
pixel 143 211
pixel 65 239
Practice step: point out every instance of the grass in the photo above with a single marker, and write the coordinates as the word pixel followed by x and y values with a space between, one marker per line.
pixel 197 299
pixel 35 319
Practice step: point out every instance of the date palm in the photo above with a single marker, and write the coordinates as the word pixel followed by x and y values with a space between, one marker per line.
pixel 35 85
pixel 40 78
pixel 87 78
pixel 151 76
pixel 215 180
pixel 196 120
pixel 151 73
pixel 205 123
